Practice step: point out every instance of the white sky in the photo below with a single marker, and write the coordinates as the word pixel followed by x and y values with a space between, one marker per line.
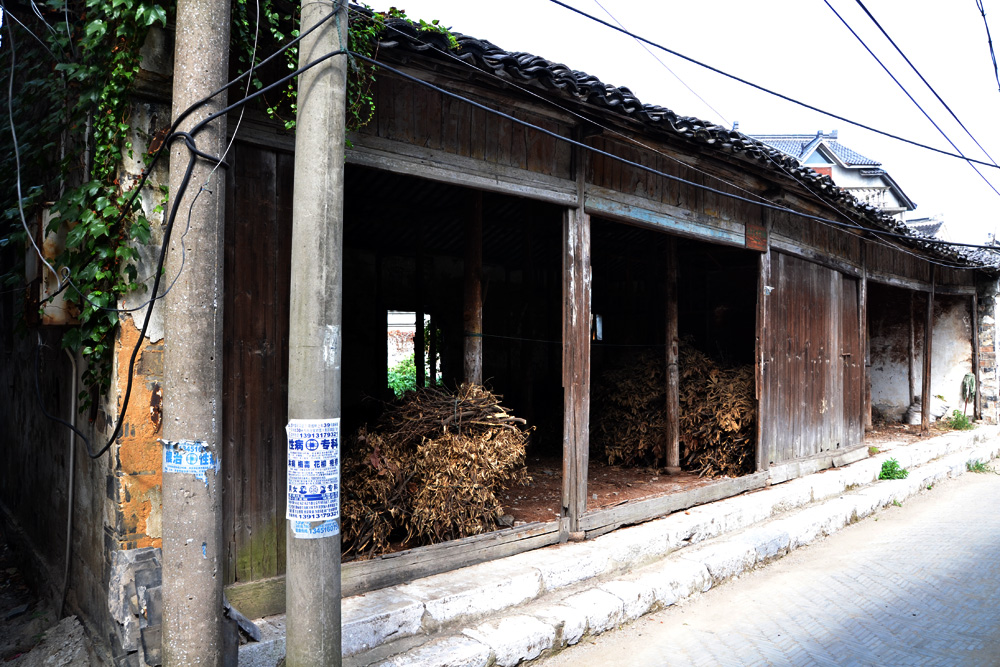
pixel 798 48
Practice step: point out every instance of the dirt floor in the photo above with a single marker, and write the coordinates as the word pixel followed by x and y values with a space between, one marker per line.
pixel 607 486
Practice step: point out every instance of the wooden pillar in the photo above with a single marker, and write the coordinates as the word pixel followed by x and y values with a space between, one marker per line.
pixel 763 296
pixel 673 434
pixel 912 349
pixel 419 361
pixel 977 412
pixel 576 363
pixel 432 353
pixel 925 390
pixel 473 312
pixel 866 361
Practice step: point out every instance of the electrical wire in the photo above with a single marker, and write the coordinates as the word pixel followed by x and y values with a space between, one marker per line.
pixel 666 67
pixel 671 177
pixel 926 83
pixel 769 91
pixel 907 93
pixel 989 40
pixel 831 206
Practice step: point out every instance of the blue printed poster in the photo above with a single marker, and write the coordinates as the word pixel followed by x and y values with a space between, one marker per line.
pixel 313 470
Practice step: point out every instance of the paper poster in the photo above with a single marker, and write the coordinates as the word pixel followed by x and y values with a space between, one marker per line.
pixel 313 476
pixel 189 456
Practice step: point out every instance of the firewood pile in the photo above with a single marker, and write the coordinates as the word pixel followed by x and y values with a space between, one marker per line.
pixel 718 415
pixel 432 469
pixel 718 421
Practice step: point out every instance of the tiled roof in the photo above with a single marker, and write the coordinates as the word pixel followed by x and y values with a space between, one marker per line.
pixel 567 85
pixel 800 146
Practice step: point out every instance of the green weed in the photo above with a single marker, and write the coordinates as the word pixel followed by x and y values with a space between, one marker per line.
pixel 892 470
pixel 977 466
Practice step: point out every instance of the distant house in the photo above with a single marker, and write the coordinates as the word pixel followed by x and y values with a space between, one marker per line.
pixel 861 176
pixel 931 227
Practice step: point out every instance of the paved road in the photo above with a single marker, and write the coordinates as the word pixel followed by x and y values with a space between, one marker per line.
pixel 914 585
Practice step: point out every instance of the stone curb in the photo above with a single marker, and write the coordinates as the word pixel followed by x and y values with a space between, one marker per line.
pixel 597 585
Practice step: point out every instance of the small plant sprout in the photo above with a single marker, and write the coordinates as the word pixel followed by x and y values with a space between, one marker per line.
pixel 892 470
pixel 896 503
pixel 977 466
pixel 873 450
pixel 959 421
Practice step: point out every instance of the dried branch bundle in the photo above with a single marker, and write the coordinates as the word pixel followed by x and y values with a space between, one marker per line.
pixel 431 470
pixel 718 415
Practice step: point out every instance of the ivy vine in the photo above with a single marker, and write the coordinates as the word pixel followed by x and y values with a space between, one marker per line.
pixel 71 105
pixel 76 63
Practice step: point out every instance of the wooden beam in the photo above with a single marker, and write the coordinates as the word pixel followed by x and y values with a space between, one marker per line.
pixel 602 521
pixel 473 311
pixel 925 390
pixel 673 434
pixel 977 412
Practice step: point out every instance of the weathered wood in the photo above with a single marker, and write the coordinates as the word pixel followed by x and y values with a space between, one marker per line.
pixel 267 597
pixel 763 327
pixel 897 281
pixel 810 464
pixel 432 353
pixel 925 388
pixel 576 362
pixel 636 511
pixel 443 167
pixel 257 599
pixel 472 315
pixel 977 411
pixel 865 388
pixel 391 569
pixel 419 349
pixel 644 212
pixel 816 256
pixel 911 349
pixel 672 450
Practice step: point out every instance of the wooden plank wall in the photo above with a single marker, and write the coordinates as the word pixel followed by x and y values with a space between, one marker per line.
pixel 413 114
pixel 811 400
pixel 255 361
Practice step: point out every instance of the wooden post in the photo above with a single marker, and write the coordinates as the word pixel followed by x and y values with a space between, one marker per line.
pixel 673 434
pixel 925 390
pixel 763 287
pixel 576 363
pixel 432 355
pixel 977 412
pixel 866 385
pixel 419 361
pixel 912 349
pixel 576 352
pixel 473 313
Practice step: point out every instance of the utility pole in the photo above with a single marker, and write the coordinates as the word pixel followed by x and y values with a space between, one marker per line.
pixel 192 428
pixel 312 596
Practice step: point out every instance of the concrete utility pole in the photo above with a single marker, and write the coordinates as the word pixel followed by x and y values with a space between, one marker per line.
pixel 192 428
pixel 312 594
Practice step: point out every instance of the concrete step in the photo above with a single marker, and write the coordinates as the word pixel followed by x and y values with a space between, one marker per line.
pixel 515 609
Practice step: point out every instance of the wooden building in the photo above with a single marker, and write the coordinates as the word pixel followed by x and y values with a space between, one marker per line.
pixel 560 197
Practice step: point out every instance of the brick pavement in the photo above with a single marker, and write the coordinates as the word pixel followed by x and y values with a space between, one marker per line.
pixel 913 585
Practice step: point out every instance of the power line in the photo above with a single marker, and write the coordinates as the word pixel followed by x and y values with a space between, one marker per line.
pixel 769 91
pixel 907 93
pixel 667 67
pixel 507 82
pixel 989 40
pixel 652 170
